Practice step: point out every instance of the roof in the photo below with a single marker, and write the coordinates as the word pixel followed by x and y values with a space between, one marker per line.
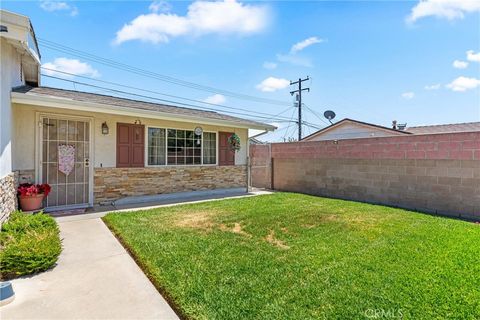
pixel 445 128
pixel 112 104
pixel 336 124
pixel 19 28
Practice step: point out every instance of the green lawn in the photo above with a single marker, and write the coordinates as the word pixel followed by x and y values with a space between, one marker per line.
pixel 292 256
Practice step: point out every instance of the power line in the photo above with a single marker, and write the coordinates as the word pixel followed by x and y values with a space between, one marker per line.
pixel 316 115
pixel 125 67
pixel 288 128
pixel 158 99
pixel 156 92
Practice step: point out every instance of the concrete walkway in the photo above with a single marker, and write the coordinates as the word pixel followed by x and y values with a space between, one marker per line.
pixel 95 279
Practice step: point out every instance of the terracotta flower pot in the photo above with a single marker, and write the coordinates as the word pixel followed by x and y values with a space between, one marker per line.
pixel 31 203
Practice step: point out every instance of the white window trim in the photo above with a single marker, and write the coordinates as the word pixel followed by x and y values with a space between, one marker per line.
pixel 166 165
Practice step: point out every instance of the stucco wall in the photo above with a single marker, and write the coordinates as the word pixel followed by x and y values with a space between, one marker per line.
pixel 10 77
pixel 350 130
pixel 24 132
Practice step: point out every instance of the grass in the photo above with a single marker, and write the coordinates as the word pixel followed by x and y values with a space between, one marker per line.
pixel 28 244
pixel 292 256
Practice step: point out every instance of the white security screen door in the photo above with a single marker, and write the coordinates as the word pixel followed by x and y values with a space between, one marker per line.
pixel 65 161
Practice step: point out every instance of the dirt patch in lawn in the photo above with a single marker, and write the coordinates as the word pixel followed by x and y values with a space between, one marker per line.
pixel 196 220
pixel 205 220
pixel 270 238
pixel 237 228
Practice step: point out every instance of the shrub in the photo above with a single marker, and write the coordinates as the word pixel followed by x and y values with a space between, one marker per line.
pixel 28 244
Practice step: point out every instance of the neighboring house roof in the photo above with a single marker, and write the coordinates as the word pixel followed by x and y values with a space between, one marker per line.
pixel 111 104
pixel 255 141
pixel 445 128
pixel 361 123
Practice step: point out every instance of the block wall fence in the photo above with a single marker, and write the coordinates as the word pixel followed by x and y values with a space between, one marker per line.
pixel 434 173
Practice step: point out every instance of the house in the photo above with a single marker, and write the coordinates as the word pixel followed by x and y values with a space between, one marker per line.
pixel 354 129
pixel 120 147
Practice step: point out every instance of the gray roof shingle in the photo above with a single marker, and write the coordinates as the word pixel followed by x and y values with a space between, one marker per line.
pixel 445 128
pixel 134 104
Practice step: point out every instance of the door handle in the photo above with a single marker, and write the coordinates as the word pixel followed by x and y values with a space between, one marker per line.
pixel 86 161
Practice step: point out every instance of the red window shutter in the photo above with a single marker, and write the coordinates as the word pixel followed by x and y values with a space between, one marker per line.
pixel 225 153
pixel 138 143
pixel 123 145
pixel 130 145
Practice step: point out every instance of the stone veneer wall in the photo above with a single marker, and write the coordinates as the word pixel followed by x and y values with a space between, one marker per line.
pixel 8 196
pixel 436 173
pixel 111 184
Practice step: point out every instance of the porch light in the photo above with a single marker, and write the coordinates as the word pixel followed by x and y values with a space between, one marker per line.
pixel 104 128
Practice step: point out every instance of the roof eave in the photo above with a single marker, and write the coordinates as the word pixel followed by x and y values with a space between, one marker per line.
pixel 55 102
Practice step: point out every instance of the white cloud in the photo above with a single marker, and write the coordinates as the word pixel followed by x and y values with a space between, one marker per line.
pixel 269 65
pixel 216 99
pixel 203 17
pixel 472 56
pixel 433 86
pixel 462 84
pixel 72 66
pixel 292 56
pixel 299 46
pixel 51 6
pixel 408 95
pixel 295 60
pixel 159 6
pixel 272 84
pixel 449 9
pixel 460 64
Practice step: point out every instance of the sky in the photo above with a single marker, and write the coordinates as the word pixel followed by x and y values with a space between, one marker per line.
pixel 410 61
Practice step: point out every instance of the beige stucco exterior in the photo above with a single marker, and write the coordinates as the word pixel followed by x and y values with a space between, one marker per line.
pixel 104 146
pixel 350 130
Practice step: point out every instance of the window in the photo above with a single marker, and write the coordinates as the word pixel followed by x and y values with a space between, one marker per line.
pixel 184 147
pixel 156 146
pixel 209 148
pixel 180 147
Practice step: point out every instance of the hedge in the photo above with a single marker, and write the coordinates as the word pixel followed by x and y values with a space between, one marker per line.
pixel 28 244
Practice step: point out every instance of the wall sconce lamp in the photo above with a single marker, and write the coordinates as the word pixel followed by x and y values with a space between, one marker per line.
pixel 104 128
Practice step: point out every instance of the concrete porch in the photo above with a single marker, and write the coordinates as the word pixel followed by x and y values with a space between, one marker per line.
pixel 151 202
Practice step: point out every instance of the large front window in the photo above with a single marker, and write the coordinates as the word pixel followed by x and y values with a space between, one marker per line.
pixel 181 147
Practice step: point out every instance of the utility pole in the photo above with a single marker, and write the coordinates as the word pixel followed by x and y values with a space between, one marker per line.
pixel 299 92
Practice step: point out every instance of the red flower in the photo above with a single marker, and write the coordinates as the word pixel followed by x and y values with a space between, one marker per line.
pixel 28 189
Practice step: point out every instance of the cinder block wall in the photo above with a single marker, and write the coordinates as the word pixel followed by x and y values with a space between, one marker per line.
pixel 438 173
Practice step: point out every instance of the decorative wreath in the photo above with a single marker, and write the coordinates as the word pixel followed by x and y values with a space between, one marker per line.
pixel 234 142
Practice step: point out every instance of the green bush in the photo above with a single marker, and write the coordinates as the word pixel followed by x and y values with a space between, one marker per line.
pixel 28 244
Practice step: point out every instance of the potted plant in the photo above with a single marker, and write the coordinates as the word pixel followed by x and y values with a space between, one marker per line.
pixel 31 196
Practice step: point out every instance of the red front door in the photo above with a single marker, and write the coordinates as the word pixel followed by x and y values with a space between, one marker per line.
pixel 130 145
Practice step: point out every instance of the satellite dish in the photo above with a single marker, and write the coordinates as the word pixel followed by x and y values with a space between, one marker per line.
pixel 329 114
